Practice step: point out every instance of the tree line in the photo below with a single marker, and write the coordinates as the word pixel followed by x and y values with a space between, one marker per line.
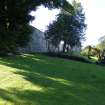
pixel 15 17
pixel 14 21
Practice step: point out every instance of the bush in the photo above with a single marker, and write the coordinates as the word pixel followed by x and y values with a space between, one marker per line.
pixel 84 52
pixel 70 57
pixel 10 40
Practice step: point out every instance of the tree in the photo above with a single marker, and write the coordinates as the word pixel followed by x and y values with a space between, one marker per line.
pixel 101 44
pixel 92 51
pixel 14 19
pixel 67 28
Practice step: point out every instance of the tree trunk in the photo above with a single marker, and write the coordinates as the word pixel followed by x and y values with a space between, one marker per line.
pixel 64 47
pixel 67 48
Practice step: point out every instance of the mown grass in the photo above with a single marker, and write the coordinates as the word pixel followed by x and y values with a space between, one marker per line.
pixel 35 79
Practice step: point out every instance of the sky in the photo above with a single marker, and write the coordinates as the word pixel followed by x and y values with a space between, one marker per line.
pixel 95 19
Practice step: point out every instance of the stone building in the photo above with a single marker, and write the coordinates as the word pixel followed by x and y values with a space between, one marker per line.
pixel 37 42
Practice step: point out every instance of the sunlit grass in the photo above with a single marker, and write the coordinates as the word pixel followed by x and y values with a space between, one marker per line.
pixel 94 58
pixel 35 79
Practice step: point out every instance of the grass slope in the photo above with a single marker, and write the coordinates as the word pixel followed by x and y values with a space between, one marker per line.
pixel 41 80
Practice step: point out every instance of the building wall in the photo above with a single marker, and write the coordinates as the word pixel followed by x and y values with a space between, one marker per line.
pixel 37 43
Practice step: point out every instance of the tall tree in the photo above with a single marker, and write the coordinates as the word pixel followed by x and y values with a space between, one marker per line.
pixel 68 28
pixel 14 19
pixel 101 44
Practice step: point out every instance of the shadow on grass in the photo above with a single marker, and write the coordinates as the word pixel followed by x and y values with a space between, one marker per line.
pixel 61 85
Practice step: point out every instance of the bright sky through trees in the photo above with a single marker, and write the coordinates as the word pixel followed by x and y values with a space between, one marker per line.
pixel 43 17
pixel 95 19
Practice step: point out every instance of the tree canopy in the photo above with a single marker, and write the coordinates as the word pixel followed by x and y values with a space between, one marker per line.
pixel 14 19
pixel 67 28
pixel 101 44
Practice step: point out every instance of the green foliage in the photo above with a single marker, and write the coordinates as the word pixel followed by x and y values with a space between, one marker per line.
pixel 24 35
pixel 14 19
pixel 67 28
pixel 11 40
pixel 101 44
pixel 84 52
pixel 92 52
pixel 6 43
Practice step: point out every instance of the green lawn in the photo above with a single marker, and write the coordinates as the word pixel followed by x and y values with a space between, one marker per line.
pixel 40 80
